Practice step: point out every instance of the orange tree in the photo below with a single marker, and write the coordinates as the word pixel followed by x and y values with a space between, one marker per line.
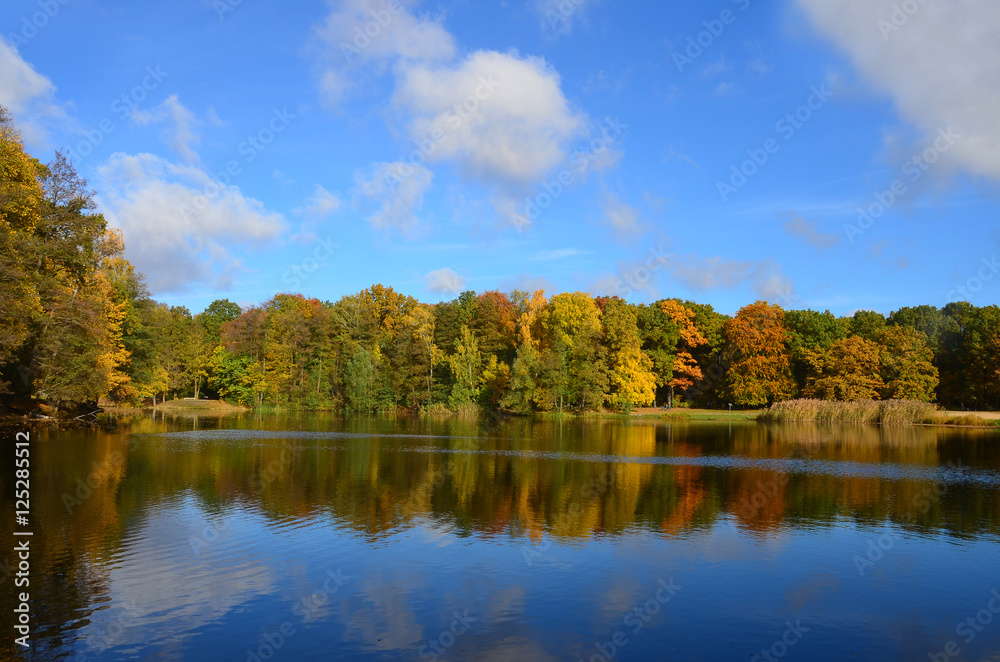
pixel 760 371
pixel 685 368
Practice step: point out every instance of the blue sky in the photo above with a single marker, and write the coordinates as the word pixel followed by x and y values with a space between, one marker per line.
pixel 715 151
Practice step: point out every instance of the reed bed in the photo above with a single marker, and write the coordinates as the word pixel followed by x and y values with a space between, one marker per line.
pixel 861 412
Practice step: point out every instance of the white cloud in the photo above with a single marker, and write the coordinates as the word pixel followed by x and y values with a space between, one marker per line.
pixel 333 87
pixel 724 88
pixel 807 232
pixel 622 218
pixel 558 254
pixel 530 284
pixel 322 204
pixel 765 278
pixel 28 95
pixel 501 117
pixel 717 68
pixel 558 16
pixel 941 66
pixel 368 33
pixel 184 133
pixel 397 189
pixel 371 30
pixel 444 281
pixel 179 224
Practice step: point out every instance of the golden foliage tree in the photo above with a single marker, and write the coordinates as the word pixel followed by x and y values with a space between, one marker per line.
pixel 848 370
pixel 760 372
pixel 630 371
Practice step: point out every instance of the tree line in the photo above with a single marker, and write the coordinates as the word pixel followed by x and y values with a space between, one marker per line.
pixel 78 327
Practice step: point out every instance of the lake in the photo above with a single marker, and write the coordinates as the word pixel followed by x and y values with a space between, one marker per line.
pixel 318 537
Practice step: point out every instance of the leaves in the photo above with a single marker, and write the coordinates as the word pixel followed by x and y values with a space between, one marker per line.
pixel 848 370
pixel 761 364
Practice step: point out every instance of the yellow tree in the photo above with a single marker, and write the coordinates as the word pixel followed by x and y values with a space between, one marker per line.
pixel 630 371
pixel 573 364
pixel 848 370
pixel 156 384
pixel 20 212
pixel 685 369
pixel 760 371
pixel 421 322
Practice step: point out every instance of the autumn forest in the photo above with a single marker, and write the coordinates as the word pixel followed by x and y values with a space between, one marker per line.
pixel 78 328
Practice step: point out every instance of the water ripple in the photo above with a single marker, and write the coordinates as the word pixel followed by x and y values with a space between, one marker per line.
pixel 840 469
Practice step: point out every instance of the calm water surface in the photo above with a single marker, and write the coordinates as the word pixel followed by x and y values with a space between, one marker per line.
pixel 324 538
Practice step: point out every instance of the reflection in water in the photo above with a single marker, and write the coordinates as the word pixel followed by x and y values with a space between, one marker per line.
pixel 200 538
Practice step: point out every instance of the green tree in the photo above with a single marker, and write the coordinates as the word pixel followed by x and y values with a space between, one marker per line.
pixel 521 396
pixel 867 324
pixel 907 366
pixel 466 366
pixel 808 332
pixel 359 381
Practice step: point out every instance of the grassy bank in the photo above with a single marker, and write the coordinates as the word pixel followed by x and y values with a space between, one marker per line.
pixel 982 420
pixel 863 412
pixel 698 414
pixel 207 406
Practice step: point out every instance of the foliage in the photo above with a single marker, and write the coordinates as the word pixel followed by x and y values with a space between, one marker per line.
pixel 847 371
pixel 632 381
pixel 78 327
pixel 907 369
